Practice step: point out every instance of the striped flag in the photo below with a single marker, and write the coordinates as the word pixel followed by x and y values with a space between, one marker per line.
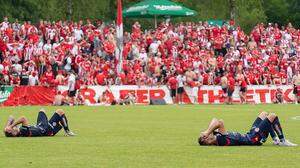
pixel 119 50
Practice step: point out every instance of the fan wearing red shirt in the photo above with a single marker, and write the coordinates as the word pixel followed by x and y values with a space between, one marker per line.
pixel 172 84
pixel 109 47
pixel 243 90
pixel 49 77
pixel 218 44
pixel 100 79
pixel 231 86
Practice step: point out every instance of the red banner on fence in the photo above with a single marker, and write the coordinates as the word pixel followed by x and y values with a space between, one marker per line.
pixel 31 95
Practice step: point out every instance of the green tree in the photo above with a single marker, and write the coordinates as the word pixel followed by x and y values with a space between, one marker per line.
pixel 276 11
pixel 250 13
pixel 294 12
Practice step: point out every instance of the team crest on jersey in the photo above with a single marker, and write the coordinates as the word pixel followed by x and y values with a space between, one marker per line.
pixel 256 129
pixel 54 124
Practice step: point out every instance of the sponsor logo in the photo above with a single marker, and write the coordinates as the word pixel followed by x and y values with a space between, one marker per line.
pixel 171 7
pixel 137 8
pixel 4 95
pixel 189 13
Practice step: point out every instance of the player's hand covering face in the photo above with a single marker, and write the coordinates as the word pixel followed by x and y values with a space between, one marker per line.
pixel 9 131
pixel 206 139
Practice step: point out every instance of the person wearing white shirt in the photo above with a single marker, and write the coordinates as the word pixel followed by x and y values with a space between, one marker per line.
pixel 78 34
pixel 143 56
pixel 33 79
pixel 71 87
pixel 47 47
pixel 289 74
pixel 181 80
pixel 154 47
pixel 68 62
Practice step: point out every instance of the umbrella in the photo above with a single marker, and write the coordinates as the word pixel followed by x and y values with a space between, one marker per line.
pixel 157 8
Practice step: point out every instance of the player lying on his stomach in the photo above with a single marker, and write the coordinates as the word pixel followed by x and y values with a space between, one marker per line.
pixel 264 125
pixel 43 127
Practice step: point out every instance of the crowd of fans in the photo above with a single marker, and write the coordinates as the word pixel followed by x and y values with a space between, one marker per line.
pixel 202 54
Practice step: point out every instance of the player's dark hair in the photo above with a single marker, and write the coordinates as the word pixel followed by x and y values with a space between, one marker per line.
pixel 200 141
pixel 8 134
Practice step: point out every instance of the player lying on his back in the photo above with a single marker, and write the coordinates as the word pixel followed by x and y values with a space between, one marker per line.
pixel 43 127
pixel 264 125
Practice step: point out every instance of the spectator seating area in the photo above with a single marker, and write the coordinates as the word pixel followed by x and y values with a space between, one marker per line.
pixel 43 54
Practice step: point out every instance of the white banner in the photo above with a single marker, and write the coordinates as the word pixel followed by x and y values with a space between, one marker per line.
pixel 202 95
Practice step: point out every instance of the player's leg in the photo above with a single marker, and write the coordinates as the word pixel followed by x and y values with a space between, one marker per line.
pixel 59 118
pixel 262 116
pixel 276 126
pixel 42 119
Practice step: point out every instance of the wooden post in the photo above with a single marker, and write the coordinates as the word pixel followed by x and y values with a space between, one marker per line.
pixel 155 21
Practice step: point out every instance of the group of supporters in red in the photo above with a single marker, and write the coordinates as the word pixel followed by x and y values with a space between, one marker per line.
pixel 183 54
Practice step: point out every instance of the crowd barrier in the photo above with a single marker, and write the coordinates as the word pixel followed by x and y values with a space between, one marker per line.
pixel 39 95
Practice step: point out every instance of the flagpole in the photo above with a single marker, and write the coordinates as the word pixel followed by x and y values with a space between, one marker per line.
pixel 119 49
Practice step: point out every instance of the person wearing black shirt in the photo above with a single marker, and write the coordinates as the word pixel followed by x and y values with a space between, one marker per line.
pixel 24 78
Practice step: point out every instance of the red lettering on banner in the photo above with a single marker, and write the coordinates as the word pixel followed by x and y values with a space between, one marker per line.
pixel 157 94
pixel 212 97
pixel 185 98
pixel 88 94
pixel 249 96
pixel 142 96
pixel 127 91
pixel 111 96
pixel 286 95
pixel 201 95
pixel 272 94
pixel 262 94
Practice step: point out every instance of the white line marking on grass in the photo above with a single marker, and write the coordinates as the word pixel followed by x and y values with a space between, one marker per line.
pixel 296 118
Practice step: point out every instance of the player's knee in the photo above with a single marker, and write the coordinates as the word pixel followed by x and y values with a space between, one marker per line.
pixel 60 112
pixel 263 115
pixel 272 116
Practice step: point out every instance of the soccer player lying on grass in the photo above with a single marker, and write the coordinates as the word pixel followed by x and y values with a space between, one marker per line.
pixel 264 125
pixel 43 127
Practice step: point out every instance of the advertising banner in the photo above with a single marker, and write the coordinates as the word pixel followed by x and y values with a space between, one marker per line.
pixel 5 91
pixel 203 95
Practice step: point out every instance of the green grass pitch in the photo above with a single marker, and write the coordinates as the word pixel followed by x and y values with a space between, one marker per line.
pixel 148 136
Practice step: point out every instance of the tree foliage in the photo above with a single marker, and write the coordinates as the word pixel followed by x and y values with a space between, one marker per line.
pixel 248 12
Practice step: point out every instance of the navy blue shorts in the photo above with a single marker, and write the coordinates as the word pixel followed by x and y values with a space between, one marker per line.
pixel 260 130
pixel 42 122
pixel 50 127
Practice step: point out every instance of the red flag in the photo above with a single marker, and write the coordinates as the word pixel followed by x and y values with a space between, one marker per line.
pixel 119 50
